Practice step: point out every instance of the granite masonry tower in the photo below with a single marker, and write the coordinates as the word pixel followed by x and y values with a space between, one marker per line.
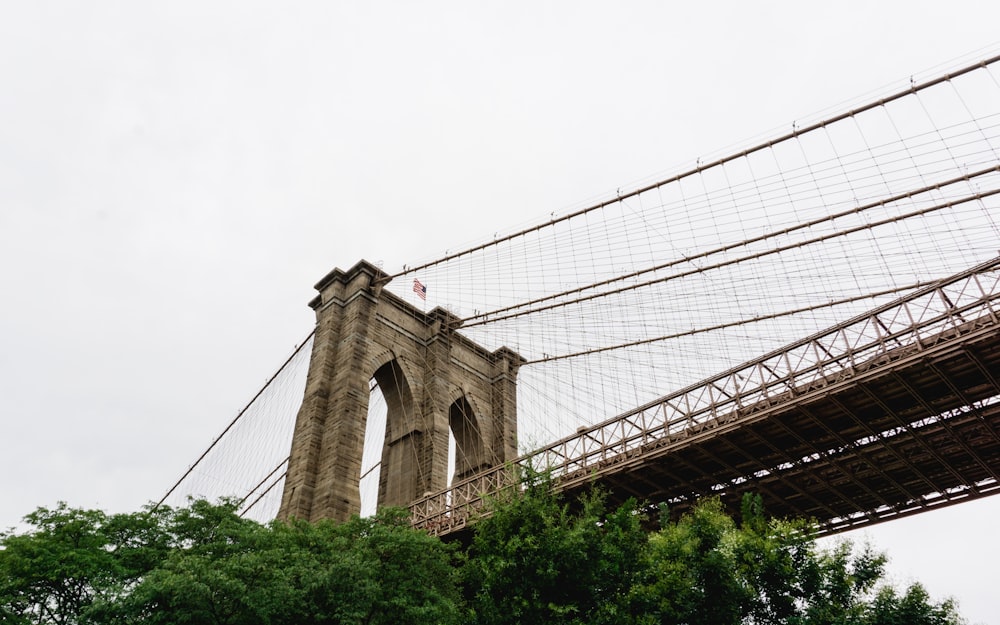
pixel 433 380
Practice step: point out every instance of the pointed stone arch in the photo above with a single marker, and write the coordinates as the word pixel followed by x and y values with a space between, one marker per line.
pixel 430 375
pixel 470 451
pixel 399 454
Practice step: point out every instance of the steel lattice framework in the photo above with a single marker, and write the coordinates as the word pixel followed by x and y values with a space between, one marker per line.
pixel 887 414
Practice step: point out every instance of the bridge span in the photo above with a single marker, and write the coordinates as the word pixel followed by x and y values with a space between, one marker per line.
pixel 550 329
pixel 891 413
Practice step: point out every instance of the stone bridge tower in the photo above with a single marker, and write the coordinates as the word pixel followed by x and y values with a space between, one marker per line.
pixel 433 380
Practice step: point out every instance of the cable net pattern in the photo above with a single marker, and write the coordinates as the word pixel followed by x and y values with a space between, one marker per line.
pixel 707 268
pixel 247 461
pixel 651 290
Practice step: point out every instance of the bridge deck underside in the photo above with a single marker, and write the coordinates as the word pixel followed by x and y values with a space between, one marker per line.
pixel 908 436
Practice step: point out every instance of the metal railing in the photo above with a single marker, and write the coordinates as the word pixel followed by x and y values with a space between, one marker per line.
pixel 948 310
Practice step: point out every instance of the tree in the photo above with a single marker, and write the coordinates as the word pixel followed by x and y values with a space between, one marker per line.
pixel 72 560
pixel 204 564
pixel 366 571
pixel 911 608
pixel 538 559
pixel 691 571
pixel 534 559
pixel 704 569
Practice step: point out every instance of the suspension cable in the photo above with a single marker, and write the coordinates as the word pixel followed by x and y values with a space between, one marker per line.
pixel 796 132
pixel 731 324
pixel 732 246
pixel 235 419
pixel 734 261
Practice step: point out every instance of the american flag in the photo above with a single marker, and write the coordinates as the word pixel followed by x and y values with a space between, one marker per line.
pixel 419 289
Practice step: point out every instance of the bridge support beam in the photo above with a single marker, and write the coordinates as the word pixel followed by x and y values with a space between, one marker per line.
pixel 434 380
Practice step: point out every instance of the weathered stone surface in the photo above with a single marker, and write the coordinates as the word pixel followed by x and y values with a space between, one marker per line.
pixel 433 379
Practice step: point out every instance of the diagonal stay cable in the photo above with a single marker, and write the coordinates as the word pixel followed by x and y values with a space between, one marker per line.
pixel 283 463
pixel 734 261
pixel 277 480
pixel 725 248
pixel 797 132
pixel 235 419
pixel 731 324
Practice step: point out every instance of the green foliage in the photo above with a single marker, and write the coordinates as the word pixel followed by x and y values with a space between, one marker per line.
pixel 205 564
pixel 691 573
pixel 912 608
pixel 534 559
pixel 703 569
pixel 73 560
pixel 370 571
pixel 539 560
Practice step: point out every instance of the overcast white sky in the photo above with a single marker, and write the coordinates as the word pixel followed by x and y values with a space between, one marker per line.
pixel 174 178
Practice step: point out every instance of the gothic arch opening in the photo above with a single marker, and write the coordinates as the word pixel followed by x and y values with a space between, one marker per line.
pixel 371 456
pixel 401 472
pixel 388 432
pixel 464 425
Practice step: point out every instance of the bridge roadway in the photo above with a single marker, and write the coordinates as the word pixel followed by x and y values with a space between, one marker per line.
pixel 889 414
pixel 896 439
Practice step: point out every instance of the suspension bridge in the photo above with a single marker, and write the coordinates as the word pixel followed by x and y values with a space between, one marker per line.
pixel 842 276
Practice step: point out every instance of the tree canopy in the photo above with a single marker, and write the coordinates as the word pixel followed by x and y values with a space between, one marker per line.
pixel 534 558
